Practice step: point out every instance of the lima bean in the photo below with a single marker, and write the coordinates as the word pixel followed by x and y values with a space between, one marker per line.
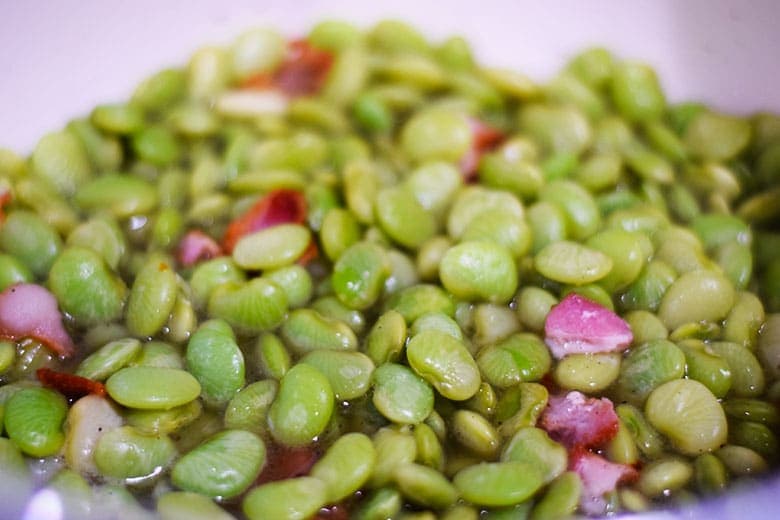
pixel 533 446
pixel 224 465
pixel 498 483
pixel 688 414
pixel 294 499
pixel 33 419
pixel 349 373
pixel 346 466
pixel 216 361
pixel 152 297
pixel 696 296
pixel 479 270
pixel 520 357
pixel 30 239
pixel 86 287
pixel 303 406
pixel 88 419
pixel 401 395
pixel 255 306
pixel 152 388
pixel 125 452
pixel 572 263
pixel 425 486
pixel 445 363
pixel 359 275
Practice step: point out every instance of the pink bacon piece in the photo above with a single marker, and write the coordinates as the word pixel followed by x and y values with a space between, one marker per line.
pixel 196 246
pixel 598 476
pixel 30 311
pixel 579 326
pixel 577 421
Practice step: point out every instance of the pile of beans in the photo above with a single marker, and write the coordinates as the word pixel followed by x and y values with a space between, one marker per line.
pixel 359 274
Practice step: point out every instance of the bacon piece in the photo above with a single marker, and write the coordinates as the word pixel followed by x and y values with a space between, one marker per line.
pixel 578 325
pixel 578 421
pixel 284 462
pixel 484 139
pixel 69 385
pixel 598 476
pixel 302 72
pixel 5 198
pixel 260 81
pixel 196 246
pixel 277 207
pixel 310 253
pixel 30 311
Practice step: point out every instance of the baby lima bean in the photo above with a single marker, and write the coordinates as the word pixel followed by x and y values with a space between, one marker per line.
pixel 303 406
pixel 216 361
pixel 126 453
pixel 445 363
pixel 313 278
pixel 222 466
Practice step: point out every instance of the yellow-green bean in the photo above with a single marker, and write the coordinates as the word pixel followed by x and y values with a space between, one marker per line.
pixel 33 419
pixel 223 466
pixel 302 407
pixel 214 358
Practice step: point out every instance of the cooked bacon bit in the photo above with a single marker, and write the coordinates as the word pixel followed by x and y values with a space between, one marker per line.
pixel 277 207
pixel 578 325
pixel 30 311
pixel 260 81
pixel 195 247
pixel 284 462
pixel 309 254
pixel 484 139
pixel 69 385
pixel 598 476
pixel 5 198
pixel 485 136
pixel 302 73
pixel 578 421
pixel 304 70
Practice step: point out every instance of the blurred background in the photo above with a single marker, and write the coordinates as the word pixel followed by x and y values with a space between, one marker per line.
pixel 59 59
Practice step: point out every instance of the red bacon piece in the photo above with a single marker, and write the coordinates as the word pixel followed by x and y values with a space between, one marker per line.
pixel 310 253
pixel 5 198
pixel 484 139
pixel 304 70
pixel 578 421
pixel 69 385
pixel 301 73
pixel 598 476
pixel 578 325
pixel 196 246
pixel 277 207
pixel 260 81
pixel 284 462
pixel 30 311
